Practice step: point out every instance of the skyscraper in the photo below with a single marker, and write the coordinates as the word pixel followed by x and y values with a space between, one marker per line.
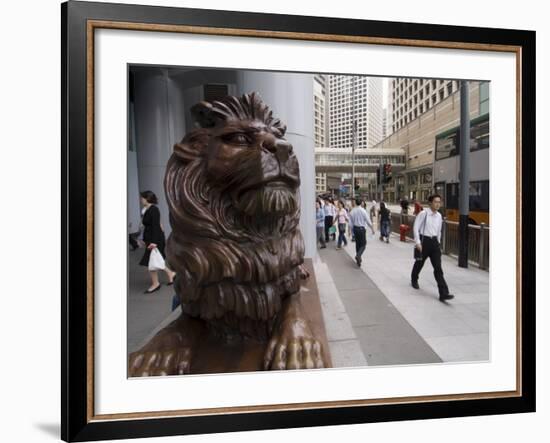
pixel 411 97
pixel 320 111
pixel 354 97
pixel 386 127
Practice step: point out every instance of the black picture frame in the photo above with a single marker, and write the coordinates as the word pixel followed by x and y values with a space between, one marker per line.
pixel 77 421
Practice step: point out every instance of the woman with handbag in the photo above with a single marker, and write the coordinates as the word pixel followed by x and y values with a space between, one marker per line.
pixel 341 219
pixel 153 237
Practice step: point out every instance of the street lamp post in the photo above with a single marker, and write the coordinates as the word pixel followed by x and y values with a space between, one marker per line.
pixel 464 175
pixel 353 136
pixel 381 189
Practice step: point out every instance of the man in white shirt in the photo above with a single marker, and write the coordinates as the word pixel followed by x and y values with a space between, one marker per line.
pixel 330 212
pixel 427 236
pixel 359 220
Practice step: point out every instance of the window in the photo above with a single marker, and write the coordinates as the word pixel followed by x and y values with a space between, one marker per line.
pixel 479 136
pixel 426 178
pixel 483 98
pixel 479 196
pixel 452 196
pixel 447 146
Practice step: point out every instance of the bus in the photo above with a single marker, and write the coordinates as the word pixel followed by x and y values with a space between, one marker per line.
pixel 447 165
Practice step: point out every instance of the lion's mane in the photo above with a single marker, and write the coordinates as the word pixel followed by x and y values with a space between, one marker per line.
pixel 233 270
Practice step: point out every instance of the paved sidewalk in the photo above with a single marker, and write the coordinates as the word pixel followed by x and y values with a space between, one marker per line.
pixel 457 330
pixel 362 325
pixel 145 311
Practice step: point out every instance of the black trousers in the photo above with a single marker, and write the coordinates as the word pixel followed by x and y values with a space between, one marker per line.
pixel 431 248
pixel 360 235
pixel 328 224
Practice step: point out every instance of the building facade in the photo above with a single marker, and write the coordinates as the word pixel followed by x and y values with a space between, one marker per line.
pixel 320 109
pixel 358 98
pixel 386 129
pixel 411 97
pixel 320 91
pixel 418 137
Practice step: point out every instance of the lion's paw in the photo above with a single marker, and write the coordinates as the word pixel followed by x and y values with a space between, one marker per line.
pixel 166 362
pixel 294 347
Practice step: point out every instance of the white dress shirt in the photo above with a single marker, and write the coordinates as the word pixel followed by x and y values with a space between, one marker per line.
pixel 359 217
pixel 427 223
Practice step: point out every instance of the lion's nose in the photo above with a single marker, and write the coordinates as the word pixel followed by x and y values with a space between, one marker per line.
pixel 269 142
pixel 283 150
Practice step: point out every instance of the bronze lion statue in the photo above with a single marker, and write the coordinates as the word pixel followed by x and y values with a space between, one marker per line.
pixel 232 186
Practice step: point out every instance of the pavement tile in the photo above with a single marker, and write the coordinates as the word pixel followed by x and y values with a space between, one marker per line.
pixel 380 350
pixel 386 337
pixel 347 353
pixel 473 347
pixel 467 316
pixel 338 326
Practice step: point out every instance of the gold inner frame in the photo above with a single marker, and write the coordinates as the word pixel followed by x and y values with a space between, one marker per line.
pixel 96 24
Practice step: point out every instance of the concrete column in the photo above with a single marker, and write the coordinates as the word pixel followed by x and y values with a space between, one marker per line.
pixel 290 96
pixel 154 138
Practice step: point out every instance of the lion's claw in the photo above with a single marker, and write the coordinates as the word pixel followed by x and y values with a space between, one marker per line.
pixel 293 348
pixel 166 362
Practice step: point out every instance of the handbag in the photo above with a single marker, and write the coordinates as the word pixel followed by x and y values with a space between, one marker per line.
pixel 332 230
pixel 156 262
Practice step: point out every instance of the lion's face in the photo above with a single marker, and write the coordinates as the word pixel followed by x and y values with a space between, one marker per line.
pixel 255 165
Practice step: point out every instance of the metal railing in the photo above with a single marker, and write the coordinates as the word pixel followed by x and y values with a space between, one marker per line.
pixel 478 238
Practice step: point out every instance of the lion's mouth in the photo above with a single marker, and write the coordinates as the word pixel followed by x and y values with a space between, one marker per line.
pixel 277 184
pixel 276 196
pixel 280 181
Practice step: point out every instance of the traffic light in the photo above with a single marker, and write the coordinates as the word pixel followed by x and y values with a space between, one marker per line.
pixel 356 185
pixel 377 176
pixel 387 173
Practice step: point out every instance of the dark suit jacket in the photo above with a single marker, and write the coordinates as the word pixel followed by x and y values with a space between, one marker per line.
pixel 152 232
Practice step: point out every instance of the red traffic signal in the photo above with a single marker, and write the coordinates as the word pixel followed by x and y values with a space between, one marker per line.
pixel 387 172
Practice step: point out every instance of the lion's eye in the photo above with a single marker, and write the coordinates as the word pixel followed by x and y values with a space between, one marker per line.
pixel 237 138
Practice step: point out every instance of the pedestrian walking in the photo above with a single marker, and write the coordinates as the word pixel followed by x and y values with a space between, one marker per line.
pixel 342 218
pixel 385 220
pixel 359 220
pixel 153 236
pixel 373 212
pixel 330 212
pixel 404 206
pixel 351 234
pixel 417 207
pixel 320 223
pixel 427 237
